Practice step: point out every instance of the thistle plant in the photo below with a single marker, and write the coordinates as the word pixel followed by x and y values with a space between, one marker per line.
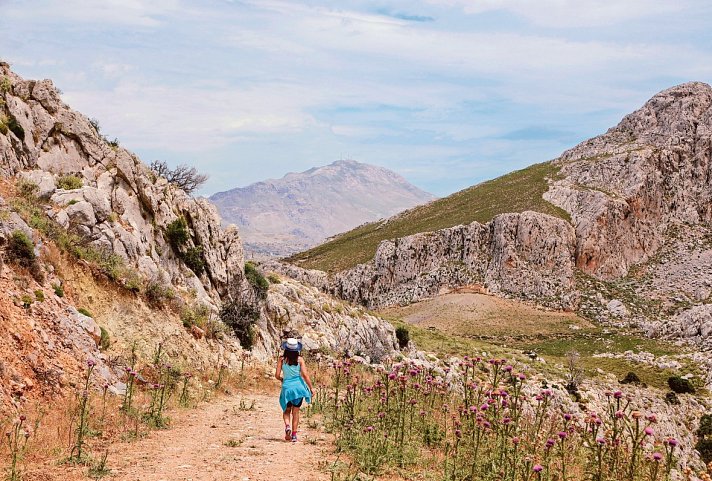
pixel 485 420
pixel 77 454
pixel 16 438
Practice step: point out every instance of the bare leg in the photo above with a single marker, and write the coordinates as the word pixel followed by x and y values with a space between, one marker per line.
pixel 286 415
pixel 295 419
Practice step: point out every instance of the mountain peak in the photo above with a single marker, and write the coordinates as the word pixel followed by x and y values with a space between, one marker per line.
pixel 283 216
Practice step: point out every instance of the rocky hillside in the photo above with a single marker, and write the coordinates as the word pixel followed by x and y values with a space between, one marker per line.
pixel 100 254
pixel 630 245
pixel 300 210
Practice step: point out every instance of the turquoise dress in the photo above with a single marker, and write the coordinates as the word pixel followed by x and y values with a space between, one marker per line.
pixel 294 388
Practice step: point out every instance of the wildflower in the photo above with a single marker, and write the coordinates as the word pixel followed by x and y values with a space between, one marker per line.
pixel 672 442
pixel 91 362
pixel 473 409
pixel 619 415
pixel 648 431
pixel 538 468
pixel 368 429
pixel 636 414
pixel 515 440
pixel 23 418
pixel 657 456
pixel 27 434
pixel 617 394
pixel 550 443
pixel 567 417
pixel 652 418
pixel 392 376
pixel 562 435
pixel 458 433
pixel 381 415
pixel 601 441
pixel 508 368
pixel 506 420
pixel 522 376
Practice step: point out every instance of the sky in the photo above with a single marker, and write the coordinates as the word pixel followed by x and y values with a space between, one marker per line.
pixel 445 92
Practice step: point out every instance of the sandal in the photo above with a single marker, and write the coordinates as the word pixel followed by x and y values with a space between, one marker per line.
pixel 287 433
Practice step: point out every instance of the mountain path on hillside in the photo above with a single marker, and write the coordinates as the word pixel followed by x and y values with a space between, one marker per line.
pixel 194 448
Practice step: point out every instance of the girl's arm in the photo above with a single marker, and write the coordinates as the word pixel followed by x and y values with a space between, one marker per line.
pixel 305 374
pixel 278 371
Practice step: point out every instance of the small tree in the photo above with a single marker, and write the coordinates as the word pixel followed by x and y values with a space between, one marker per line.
pixel 680 385
pixel 183 176
pixel 403 336
pixel 241 316
pixel 574 374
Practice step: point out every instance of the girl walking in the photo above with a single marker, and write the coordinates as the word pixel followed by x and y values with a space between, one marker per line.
pixel 296 386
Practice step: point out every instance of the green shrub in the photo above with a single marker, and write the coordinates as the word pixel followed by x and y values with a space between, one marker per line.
pixel 240 317
pixel 16 128
pixel 631 378
pixel 256 279
pixel 671 398
pixel 105 341
pixel 39 295
pixel 69 182
pixel 58 290
pixel 704 447
pixel 21 250
pixel 27 301
pixel 403 336
pixel 274 279
pixel 5 84
pixel 157 294
pixel 27 189
pixel 177 233
pixel 680 385
pixel 193 258
pixel 705 428
pixel 3 124
pixel 195 316
pixel 86 312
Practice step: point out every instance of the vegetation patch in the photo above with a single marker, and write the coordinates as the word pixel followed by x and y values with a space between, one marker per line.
pixel 70 182
pixel 241 317
pixel 515 192
pixel 256 279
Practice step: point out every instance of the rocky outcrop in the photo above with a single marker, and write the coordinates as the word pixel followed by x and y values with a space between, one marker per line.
pixel 528 255
pixel 625 188
pixel 325 324
pixel 121 206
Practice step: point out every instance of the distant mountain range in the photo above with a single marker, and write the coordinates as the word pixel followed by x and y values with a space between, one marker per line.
pixel 300 210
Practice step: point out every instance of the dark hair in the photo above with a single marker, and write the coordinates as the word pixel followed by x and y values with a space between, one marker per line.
pixel 291 357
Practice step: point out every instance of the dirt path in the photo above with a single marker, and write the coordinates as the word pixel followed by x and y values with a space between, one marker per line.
pixel 194 448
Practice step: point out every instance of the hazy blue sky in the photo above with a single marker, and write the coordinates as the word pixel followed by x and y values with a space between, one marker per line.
pixel 446 92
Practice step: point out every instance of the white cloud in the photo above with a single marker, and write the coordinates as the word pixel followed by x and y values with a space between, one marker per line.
pixel 572 13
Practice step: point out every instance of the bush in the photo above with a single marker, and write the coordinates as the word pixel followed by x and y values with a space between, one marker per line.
pixel 680 385
pixel 69 182
pixel 27 189
pixel 21 250
pixel 240 317
pixel 256 279
pixel 403 336
pixel 195 316
pixel 85 312
pixel 157 294
pixel 58 290
pixel 274 279
pixel 705 428
pixel 177 233
pixel 5 84
pixel 39 295
pixel 193 258
pixel 27 301
pixel 631 378
pixel 671 398
pixel 105 340
pixel 704 447
pixel 16 128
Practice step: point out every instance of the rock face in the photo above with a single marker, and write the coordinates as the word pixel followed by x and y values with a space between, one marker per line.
pixel 625 188
pixel 527 255
pixel 121 207
pixel 300 210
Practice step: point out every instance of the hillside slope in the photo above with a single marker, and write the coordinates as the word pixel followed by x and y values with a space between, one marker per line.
pixel 515 192
pixel 283 216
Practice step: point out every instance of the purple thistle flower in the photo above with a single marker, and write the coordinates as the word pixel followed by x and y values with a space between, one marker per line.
pixel 648 431
pixel 617 394
pixel 538 468
pixel 657 456
pixel 91 362
pixel 672 442
pixel 567 417
pixel 562 435
pixel 601 441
